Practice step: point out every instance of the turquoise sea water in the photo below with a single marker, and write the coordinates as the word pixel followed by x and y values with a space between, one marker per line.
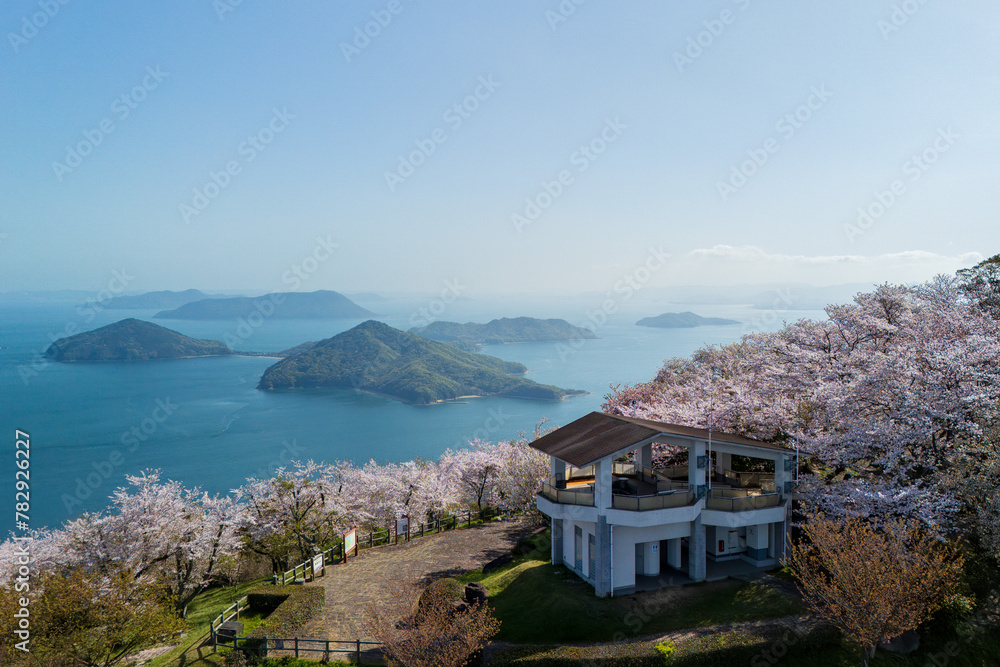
pixel 203 422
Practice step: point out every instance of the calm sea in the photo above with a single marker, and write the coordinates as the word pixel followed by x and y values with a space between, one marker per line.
pixel 203 422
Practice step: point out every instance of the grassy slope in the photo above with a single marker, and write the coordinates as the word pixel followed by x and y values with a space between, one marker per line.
pixel 540 603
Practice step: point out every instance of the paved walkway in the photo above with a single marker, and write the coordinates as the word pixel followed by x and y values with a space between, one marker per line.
pixel 384 576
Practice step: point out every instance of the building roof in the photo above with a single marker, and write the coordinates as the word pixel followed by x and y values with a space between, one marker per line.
pixel 598 434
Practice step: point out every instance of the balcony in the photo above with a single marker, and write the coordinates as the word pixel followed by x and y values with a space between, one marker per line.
pixel 634 488
pixel 740 500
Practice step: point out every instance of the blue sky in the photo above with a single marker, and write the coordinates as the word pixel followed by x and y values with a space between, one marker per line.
pixel 739 138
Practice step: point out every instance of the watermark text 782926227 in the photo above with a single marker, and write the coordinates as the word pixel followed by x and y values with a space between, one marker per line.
pixel 22 507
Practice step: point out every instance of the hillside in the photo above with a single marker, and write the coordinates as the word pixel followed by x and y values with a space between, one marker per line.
pixel 470 335
pixel 683 320
pixel 164 299
pixel 321 304
pixel 375 357
pixel 130 340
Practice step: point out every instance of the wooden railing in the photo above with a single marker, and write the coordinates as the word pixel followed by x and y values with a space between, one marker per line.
pixel 223 618
pixel 260 646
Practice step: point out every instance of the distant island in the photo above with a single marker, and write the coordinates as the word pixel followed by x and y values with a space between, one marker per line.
pixel 378 358
pixel 130 340
pixel 163 299
pixel 684 320
pixel 471 335
pixel 279 305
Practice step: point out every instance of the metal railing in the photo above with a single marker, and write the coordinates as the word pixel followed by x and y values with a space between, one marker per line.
pixel 655 502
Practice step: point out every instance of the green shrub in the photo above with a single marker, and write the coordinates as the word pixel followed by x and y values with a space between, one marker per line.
pixel 667 650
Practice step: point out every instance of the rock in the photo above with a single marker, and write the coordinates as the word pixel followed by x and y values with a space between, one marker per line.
pixel 476 592
pixel 904 644
pixel 498 563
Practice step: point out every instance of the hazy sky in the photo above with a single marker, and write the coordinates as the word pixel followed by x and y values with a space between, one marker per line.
pixel 511 146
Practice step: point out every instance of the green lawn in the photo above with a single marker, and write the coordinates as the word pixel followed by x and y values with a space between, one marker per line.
pixel 537 602
pixel 201 611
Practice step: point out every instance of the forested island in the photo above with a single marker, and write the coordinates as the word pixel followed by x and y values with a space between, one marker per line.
pixel 685 320
pixel 320 304
pixel 378 358
pixel 472 335
pixel 133 340
pixel 161 299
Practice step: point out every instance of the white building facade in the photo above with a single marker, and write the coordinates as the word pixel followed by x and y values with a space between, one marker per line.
pixel 623 526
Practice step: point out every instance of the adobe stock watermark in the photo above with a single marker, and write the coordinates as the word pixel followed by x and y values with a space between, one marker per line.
pixel 562 12
pixel 247 151
pixel 623 291
pixel 495 419
pixel 265 306
pixel 901 14
pixel 436 307
pixel 454 116
pixel 101 471
pixel 581 159
pixel 364 34
pixel 912 170
pixel 32 24
pixel 786 126
pixel 783 300
pixel 714 28
pixel 121 108
pixel 88 311
pixel 223 7
pixel 290 452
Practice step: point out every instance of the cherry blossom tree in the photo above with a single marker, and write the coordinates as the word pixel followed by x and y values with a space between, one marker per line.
pixel 888 393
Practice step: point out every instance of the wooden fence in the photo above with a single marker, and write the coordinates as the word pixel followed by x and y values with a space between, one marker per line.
pixel 307 571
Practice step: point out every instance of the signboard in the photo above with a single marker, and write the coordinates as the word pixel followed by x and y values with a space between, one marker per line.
pixel 351 543
pixel 317 564
pixel 403 525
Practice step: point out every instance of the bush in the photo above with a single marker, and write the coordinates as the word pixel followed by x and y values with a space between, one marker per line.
pixel 293 607
pixel 667 650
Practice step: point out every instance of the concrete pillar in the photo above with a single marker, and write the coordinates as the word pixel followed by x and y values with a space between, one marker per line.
pixel 558 467
pixel 651 558
pixel 557 541
pixel 696 551
pixel 602 582
pixel 674 553
pixel 696 475
pixel 780 476
pixel 645 457
pixel 602 483
pixel 724 461
pixel 757 541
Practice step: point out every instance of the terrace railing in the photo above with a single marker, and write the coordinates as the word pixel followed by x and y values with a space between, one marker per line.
pixel 654 502
pixel 567 496
pixel 744 479
pixel 737 500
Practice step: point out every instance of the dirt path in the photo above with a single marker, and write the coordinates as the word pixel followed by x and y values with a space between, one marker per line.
pixel 378 576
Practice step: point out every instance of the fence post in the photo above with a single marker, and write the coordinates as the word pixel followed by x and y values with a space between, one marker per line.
pixel 358 652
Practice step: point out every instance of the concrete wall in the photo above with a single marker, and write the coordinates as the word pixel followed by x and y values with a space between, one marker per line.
pixel 625 539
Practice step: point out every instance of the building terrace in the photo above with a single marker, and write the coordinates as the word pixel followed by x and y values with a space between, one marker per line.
pixel 618 524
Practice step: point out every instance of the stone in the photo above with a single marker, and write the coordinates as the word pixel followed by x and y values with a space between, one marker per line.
pixel 904 644
pixel 476 592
